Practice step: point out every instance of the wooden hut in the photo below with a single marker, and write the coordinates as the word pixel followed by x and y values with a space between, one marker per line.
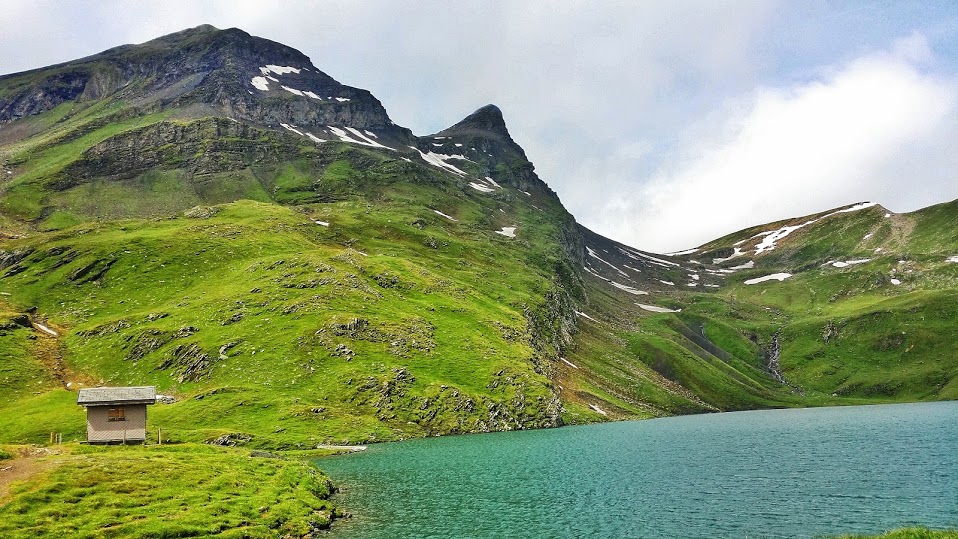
pixel 116 414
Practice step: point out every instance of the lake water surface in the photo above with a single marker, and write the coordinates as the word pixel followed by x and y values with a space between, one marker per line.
pixel 778 473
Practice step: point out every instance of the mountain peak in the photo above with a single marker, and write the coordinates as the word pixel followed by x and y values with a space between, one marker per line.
pixel 487 119
pixel 204 28
pixel 205 71
pixel 196 30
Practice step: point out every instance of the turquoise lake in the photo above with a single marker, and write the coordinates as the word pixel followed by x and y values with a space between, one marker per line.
pixel 774 474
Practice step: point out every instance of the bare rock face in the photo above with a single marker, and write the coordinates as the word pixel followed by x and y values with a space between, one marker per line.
pixel 202 147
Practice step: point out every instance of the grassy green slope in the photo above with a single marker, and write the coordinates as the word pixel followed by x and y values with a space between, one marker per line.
pixel 867 317
pixel 632 363
pixel 289 298
pixel 850 332
pixel 391 322
pixel 880 328
pixel 395 321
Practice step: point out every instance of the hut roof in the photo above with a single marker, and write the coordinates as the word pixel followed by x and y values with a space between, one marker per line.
pixel 103 396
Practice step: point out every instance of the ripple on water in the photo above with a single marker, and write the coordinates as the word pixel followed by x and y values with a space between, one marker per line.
pixel 775 474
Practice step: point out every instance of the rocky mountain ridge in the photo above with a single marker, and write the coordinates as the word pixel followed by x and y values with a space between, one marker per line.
pixel 225 72
pixel 203 72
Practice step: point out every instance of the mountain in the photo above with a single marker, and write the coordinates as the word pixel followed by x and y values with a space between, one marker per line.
pixel 210 213
pixel 865 302
pixel 204 71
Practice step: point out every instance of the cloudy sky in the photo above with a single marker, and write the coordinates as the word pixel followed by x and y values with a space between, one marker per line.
pixel 661 124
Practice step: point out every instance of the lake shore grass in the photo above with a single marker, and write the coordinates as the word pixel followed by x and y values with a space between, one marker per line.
pixel 182 490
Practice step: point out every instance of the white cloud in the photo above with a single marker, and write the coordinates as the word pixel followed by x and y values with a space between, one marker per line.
pixel 783 152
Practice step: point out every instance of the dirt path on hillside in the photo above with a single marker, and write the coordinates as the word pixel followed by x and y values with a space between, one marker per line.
pixel 48 349
pixel 901 229
pixel 23 468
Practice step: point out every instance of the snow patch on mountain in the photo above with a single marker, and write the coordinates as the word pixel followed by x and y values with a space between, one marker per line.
pixel 587 317
pixel 446 216
pixel 597 409
pixel 45 329
pixel 293 129
pixel 592 272
pixel 773 277
pixel 439 160
pixel 595 256
pixel 642 257
pixel 657 309
pixel 567 362
pixel 736 253
pixel 481 188
pixel 361 139
pixel 772 236
pixel 508 231
pixel 493 182
pixel 768 244
pixel 279 70
pixel 845 264
pixel 856 207
pixel 629 289
pixel 260 83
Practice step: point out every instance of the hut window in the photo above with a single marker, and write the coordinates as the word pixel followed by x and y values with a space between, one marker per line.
pixel 116 414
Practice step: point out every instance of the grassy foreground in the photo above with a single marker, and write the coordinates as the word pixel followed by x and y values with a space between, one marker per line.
pixel 164 491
